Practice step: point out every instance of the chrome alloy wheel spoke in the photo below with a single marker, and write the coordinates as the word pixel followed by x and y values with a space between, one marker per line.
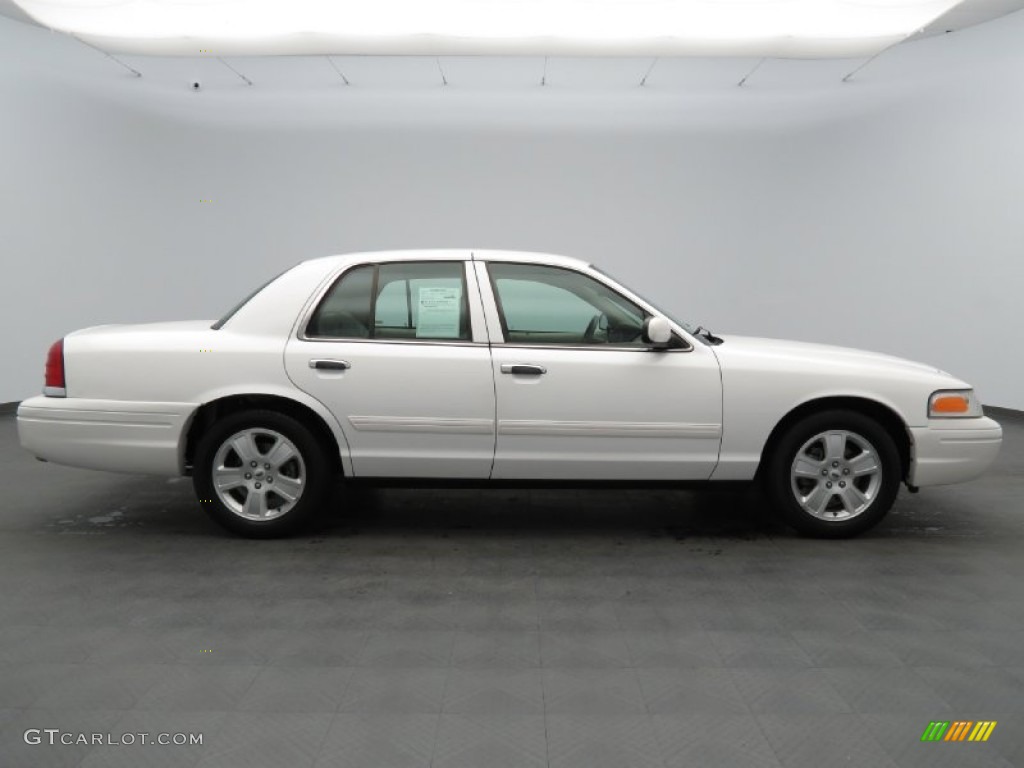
pixel 853 500
pixel 226 478
pixel 282 452
pixel 864 464
pixel 835 445
pixel 806 467
pixel 288 488
pixel 244 446
pixel 817 499
pixel 256 505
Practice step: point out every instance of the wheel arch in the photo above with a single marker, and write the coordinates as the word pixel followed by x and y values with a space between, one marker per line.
pixel 888 418
pixel 213 410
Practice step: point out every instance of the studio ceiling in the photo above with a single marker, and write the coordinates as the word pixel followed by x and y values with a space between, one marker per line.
pixel 736 28
pixel 492 73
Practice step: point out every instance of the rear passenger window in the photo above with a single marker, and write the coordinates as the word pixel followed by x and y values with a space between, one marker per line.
pixel 407 300
pixel 345 312
pixel 422 300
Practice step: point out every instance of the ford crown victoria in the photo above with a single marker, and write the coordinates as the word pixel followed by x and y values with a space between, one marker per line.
pixel 493 367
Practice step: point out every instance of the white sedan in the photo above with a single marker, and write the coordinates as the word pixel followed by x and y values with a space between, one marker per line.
pixel 493 367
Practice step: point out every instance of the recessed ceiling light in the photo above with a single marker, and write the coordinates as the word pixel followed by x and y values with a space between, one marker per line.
pixel 549 27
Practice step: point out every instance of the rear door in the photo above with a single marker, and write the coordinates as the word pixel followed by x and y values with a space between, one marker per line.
pixel 398 352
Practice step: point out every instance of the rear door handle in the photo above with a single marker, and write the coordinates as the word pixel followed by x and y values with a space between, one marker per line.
pixel 330 365
pixel 523 369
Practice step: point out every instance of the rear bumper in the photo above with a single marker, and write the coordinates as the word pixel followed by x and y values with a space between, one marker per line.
pixel 113 435
pixel 953 450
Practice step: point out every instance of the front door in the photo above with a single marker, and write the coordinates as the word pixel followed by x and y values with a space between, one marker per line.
pixel 581 396
pixel 390 350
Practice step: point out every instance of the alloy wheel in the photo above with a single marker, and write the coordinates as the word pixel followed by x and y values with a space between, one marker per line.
pixel 258 474
pixel 836 475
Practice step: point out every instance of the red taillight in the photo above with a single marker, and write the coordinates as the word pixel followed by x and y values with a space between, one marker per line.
pixel 55 370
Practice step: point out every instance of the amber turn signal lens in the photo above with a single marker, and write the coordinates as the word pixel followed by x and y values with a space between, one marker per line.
pixel 950 404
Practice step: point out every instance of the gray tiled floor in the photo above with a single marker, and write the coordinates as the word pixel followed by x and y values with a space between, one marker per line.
pixel 507 628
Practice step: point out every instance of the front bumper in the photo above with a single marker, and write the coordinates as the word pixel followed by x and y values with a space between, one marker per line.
pixel 953 450
pixel 113 435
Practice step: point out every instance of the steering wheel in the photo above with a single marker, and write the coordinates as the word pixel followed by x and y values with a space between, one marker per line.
pixel 592 326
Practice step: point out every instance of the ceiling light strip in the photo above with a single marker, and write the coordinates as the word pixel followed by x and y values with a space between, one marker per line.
pixel 768 28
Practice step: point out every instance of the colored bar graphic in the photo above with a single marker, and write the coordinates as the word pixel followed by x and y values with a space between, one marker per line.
pixel 983 730
pixel 958 730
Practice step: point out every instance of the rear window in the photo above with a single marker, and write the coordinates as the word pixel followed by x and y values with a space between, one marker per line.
pixel 231 312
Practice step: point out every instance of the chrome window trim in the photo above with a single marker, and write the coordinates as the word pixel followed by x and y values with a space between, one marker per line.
pixel 594 347
pixel 339 275
pixel 420 342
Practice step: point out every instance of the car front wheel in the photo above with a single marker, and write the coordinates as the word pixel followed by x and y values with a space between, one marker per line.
pixel 261 474
pixel 834 474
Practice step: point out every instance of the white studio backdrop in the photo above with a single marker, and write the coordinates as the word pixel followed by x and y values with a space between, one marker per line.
pixel 884 213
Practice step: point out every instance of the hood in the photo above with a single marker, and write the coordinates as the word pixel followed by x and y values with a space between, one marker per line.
pixel 798 354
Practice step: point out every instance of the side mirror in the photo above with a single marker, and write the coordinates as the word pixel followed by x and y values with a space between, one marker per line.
pixel 657 332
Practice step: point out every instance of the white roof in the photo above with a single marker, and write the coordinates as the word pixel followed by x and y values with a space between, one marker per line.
pixel 448 254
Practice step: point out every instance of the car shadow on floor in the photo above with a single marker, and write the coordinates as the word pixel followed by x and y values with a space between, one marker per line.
pixel 118 505
pixel 733 513
pixel 129 506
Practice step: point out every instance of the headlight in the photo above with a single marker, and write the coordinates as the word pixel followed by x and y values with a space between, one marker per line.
pixel 953 404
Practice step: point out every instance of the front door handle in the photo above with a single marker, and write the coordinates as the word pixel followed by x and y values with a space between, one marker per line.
pixel 330 365
pixel 523 369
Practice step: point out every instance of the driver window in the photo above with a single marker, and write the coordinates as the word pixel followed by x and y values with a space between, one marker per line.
pixel 550 305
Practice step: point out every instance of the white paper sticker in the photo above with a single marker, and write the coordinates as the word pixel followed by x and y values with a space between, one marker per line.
pixel 438 313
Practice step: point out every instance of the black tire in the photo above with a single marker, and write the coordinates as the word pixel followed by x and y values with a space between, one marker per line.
pixel 793 497
pixel 307 477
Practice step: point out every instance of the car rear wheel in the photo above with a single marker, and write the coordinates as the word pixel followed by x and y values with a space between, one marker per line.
pixel 261 474
pixel 834 474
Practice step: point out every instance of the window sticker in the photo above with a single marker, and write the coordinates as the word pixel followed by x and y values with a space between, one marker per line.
pixel 439 313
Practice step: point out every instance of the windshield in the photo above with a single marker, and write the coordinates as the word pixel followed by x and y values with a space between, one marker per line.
pixel 231 312
pixel 682 323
